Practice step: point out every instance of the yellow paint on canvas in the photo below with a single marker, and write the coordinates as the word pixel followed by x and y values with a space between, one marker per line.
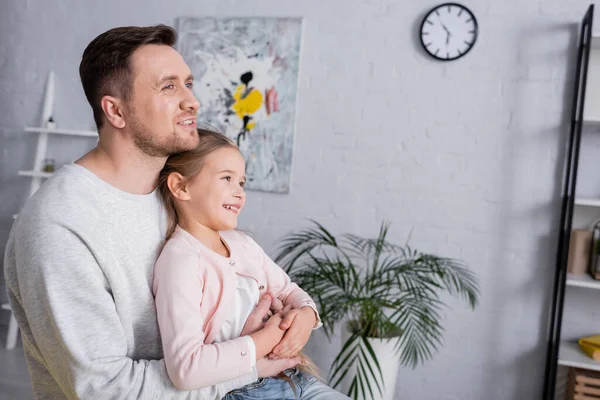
pixel 247 105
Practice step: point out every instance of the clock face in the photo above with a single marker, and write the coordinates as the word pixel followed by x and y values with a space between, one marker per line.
pixel 448 31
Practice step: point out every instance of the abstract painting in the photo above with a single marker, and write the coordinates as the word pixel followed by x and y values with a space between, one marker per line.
pixel 246 79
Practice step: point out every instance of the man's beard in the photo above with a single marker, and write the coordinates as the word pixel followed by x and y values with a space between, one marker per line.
pixel 158 147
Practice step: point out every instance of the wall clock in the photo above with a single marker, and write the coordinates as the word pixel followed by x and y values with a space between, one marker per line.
pixel 448 31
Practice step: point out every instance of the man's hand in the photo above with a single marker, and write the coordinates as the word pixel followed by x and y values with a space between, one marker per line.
pixel 266 368
pixel 299 325
pixel 256 320
pixel 275 322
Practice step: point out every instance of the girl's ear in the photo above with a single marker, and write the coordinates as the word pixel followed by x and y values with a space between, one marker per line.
pixel 177 186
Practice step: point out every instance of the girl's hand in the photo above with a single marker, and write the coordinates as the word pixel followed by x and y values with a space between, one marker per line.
pixel 301 323
pixel 275 321
pixel 256 320
pixel 267 338
pixel 262 312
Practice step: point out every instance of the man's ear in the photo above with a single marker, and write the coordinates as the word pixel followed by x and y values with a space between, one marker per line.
pixel 113 111
pixel 177 186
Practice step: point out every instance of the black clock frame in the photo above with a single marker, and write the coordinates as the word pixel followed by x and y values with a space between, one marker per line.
pixel 428 14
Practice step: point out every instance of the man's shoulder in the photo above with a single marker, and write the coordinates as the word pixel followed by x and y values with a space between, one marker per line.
pixel 67 195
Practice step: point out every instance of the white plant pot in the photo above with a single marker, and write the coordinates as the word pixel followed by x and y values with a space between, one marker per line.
pixel 388 361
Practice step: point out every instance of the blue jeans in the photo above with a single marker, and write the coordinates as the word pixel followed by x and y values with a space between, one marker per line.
pixel 307 387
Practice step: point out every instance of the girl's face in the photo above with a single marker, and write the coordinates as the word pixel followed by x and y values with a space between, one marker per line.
pixel 217 193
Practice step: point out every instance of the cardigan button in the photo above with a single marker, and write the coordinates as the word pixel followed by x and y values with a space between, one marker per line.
pixel 231 262
pixel 243 353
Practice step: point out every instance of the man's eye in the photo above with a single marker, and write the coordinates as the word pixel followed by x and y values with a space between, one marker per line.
pixel 189 85
pixel 169 86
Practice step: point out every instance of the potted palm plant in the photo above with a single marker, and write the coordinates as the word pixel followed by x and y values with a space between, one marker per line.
pixel 386 295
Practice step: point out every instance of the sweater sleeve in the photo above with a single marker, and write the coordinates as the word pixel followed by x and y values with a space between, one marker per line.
pixel 65 302
pixel 282 287
pixel 191 364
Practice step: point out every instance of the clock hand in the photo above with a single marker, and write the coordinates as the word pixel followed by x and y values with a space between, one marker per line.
pixel 446 29
pixel 448 34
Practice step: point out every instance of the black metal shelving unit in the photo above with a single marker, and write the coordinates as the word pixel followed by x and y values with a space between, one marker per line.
pixel 568 203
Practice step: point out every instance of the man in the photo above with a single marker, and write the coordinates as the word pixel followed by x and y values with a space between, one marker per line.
pixel 80 257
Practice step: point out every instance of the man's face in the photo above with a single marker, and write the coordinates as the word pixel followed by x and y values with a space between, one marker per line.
pixel 161 113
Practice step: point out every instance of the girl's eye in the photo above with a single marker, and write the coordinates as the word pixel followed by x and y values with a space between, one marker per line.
pixel 227 178
pixel 242 184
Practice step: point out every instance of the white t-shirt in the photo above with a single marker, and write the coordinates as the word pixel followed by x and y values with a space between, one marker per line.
pixel 244 302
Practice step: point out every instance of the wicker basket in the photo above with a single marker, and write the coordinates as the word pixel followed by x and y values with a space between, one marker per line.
pixel 583 384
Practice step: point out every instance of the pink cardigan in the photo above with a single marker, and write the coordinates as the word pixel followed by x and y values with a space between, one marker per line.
pixel 193 287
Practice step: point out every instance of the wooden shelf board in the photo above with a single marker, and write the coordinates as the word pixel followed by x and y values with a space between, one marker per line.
pixel 36 174
pixel 68 132
pixel 582 280
pixel 587 202
pixel 570 355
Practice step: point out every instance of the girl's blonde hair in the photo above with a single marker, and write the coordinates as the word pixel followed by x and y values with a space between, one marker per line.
pixel 189 164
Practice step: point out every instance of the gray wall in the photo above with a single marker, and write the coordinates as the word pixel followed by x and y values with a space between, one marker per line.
pixel 464 157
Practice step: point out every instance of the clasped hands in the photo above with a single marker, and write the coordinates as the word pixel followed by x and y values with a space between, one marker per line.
pixel 297 324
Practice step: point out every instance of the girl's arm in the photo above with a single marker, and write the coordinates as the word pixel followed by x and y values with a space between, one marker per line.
pixel 268 337
pixel 299 322
pixel 281 286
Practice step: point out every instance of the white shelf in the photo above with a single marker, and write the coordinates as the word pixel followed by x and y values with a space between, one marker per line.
pixel 6 306
pixel 570 355
pixel 36 174
pixel 588 202
pixel 582 280
pixel 69 132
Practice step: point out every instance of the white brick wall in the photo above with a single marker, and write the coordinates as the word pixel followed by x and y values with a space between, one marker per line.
pixel 465 155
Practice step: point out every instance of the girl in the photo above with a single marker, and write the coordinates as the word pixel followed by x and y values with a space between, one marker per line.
pixel 209 277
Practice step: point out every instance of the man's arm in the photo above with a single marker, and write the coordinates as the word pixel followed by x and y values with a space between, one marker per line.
pixel 71 314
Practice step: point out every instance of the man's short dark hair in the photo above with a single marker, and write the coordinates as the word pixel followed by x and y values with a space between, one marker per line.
pixel 105 67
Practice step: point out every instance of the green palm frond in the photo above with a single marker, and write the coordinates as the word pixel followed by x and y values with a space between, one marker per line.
pixel 382 289
pixel 357 354
pixel 295 245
